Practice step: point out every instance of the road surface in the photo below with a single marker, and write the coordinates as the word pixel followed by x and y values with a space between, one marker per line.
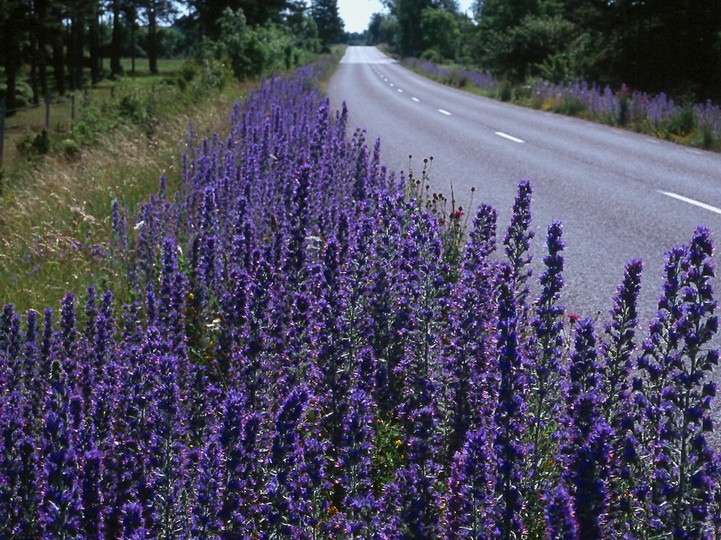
pixel 620 195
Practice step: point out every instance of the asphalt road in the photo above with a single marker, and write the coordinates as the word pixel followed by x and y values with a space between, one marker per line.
pixel 620 195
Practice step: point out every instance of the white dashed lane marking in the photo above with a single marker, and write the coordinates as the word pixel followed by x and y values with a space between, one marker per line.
pixel 692 201
pixel 509 137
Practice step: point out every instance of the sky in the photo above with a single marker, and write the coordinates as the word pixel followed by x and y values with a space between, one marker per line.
pixel 357 13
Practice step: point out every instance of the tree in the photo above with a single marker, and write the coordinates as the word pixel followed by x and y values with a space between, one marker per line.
pixel 382 28
pixel 295 13
pixel 440 32
pixel 94 40
pixel 116 40
pixel 258 12
pixel 156 11
pixel 130 9
pixel 500 15
pixel 38 49
pixel 76 46
pixel 671 46
pixel 206 13
pixel 57 45
pixel 328 21
pixel 411 39
pixel 408 15
pixel 13 34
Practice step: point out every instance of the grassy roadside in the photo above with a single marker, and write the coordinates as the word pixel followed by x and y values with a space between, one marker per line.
pixel 66 111
pixel 55 221
pixel 55 207
pixel 55 214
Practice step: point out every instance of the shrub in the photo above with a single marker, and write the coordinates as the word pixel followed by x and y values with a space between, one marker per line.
pixel 32 146
pixel 569 106
pixel 681 123
pixel 70 149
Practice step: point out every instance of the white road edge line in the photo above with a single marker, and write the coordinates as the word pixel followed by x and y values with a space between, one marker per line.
pixel 416 99
pixel 401 91
pixel 443 111
pixel 691 201
pixel 509 137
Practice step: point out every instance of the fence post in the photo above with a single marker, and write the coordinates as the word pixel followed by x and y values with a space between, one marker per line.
pixel 72 108
pixel 47 108
pixel 3 111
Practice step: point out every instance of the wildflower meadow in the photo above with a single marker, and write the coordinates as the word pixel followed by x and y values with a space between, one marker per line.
pixel 308 347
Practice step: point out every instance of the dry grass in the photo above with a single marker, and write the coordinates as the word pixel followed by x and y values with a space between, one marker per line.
pixel 55 221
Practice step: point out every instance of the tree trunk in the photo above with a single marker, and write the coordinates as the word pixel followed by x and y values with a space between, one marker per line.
pixel 132 46
pixel 38 42
pixel 153 38
pixel 115 44
pixel 11 39
pixel 11 85
pixel 41 31
pixel 59 62
pixel 75 57
pixel 94 45
pixel 34 82
pixel 131 16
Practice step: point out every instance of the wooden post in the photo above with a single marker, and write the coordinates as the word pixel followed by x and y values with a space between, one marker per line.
pixel 3 111
pixel 47 108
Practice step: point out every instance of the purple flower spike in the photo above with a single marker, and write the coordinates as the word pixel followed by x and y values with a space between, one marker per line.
pixel 469 501
pixel 133 524
pixel 617 350
pixel 518 243
pixel 67 324
pixel 545 349
pixel 509 449
pixel 559 516
pixel 588 474
pixel 673 399
pixel 92 494
pixel 284 487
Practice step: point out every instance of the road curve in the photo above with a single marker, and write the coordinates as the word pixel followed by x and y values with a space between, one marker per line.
pixel 620 195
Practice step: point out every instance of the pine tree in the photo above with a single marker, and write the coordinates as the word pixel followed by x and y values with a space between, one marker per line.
pixel 330 25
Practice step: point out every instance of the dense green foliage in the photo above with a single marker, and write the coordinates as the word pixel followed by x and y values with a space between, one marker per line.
pixel 254 51
pixel 61 46
pixel 671 46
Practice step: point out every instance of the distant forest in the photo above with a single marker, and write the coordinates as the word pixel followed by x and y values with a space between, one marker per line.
pixel 61 46
pixel 671 46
